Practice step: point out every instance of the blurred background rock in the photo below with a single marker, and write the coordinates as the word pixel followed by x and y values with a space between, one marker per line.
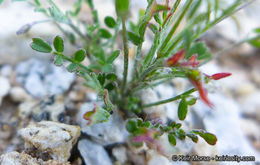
pixel 27 77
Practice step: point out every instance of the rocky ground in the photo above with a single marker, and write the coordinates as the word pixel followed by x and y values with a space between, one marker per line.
pixel 41 105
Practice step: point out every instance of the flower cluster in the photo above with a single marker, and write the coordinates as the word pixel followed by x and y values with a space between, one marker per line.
pixel 195 76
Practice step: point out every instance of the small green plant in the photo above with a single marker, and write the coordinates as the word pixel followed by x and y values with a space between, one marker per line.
pixel 176 27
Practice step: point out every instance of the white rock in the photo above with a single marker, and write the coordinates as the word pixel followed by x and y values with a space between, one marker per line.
pixel 101 132
pixel 150 96
pixel 18 94
pixel 15 158
pixel 251 128
pixel 120 154
pixel 51 138
pixel 255 75
pixel 41 78
pixel 155 158
pixel 4 87
pixel 224 122
pixel 6 70
pixel 250 104
pixel 93 153
pixel 34 86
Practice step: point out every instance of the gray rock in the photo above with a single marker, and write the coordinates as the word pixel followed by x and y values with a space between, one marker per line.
pixel 93 153
pixel 120 154
pixel 110 132
pixel 48 139
pixel 250 104
pixel 41 78
pixel 15 158
pixel 51 108
pixel 6 70
pixel 224 122
pixel 155 158
pixel 4 87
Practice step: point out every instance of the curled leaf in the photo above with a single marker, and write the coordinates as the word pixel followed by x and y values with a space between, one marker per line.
pixel 97 115
pixel 131 125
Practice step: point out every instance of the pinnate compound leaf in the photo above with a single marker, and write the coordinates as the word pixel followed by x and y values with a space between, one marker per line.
pixel 209 138
pixel 113 56
pixel 104 33
pixel 97 115
pixel 182 109
pixel 58 61
pixel 110 22
pixel 134 38
pixel 172 139
pixel 72 67
pixel 80 55
pixel 58 44
pixel 201 50
pixel 131 125
pixel 40 45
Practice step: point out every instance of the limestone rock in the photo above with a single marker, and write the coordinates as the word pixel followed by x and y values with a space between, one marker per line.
pixel 48 139
pixel 93 153
pixel 15 158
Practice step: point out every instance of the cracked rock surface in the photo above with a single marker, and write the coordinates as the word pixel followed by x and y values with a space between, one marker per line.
pixel 15 158
pixel 50 140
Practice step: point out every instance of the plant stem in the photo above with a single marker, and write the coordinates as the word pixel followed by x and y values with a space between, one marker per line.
pixel 170 99
pixel 72 60
pixel 175 26
pixel 125 57
pixel 145 19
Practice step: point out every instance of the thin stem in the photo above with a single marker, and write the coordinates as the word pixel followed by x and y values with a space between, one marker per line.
pixel 170 99
pixel 125 57
pixel 72 60
pixel 139 47
pixel 175 26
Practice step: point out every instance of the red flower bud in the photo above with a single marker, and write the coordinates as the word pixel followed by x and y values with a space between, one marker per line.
pixel 202 92
pixel 175 58
pixel 218 76
pixel 193 58
pixel 195 78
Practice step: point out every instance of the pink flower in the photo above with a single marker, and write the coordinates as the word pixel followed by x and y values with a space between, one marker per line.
pixel 202 92
pixel 175 58
pixel 218 76
pixel 195 78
